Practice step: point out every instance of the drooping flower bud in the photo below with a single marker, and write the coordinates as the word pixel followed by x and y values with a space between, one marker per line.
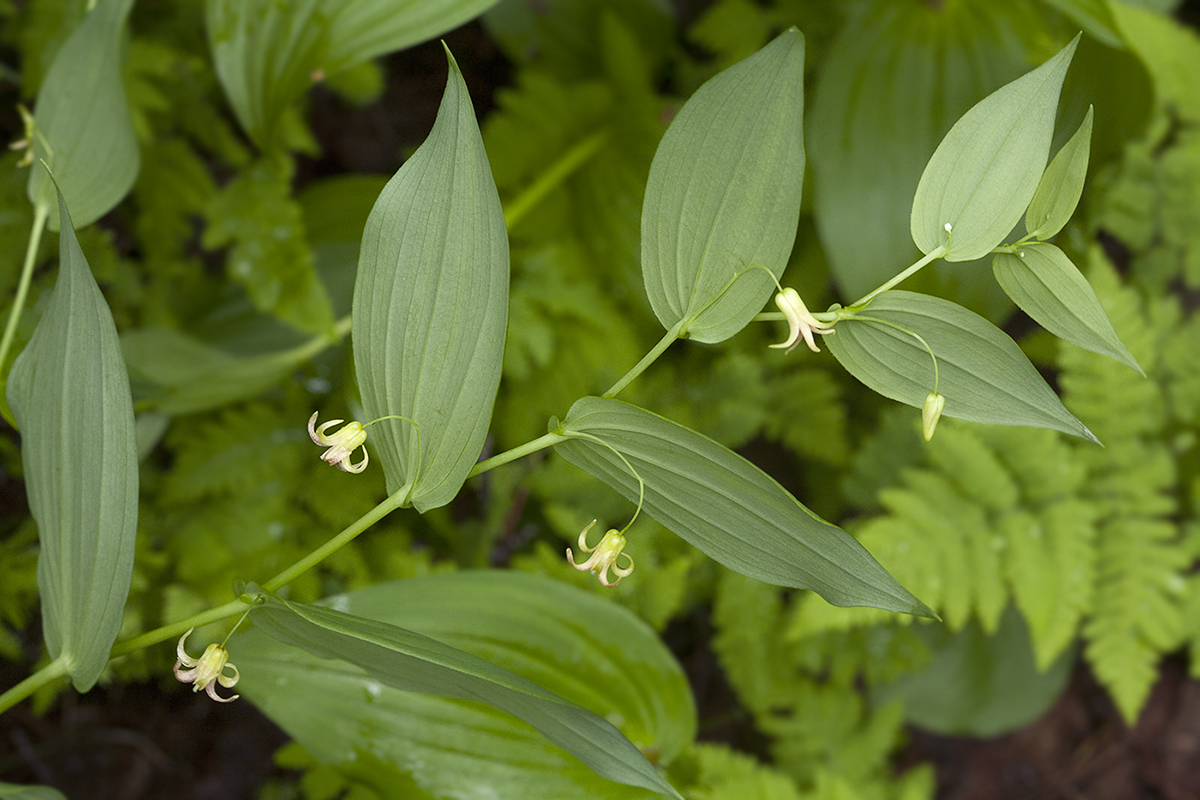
pixel 931 412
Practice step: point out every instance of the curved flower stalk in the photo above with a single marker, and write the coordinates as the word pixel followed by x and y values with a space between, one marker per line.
pixel 611 546
pixel 801 323
pixel 207 671
pixel 603 556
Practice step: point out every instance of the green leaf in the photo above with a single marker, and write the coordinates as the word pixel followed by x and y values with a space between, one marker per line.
pixel 430 307
pixel 84 132
pixel 1048 287
pixel 269 52
pixel 722 504
pixel 9 791
pixel 413 662
pixel 724 193
pixel 176 373
pixel 985 172
pixel 1061 186
pixel 980 685
pixel 982 373
pixel 1168 50
pixel 1094 16
pixel 69 392
pixel 888 89
pixel 585 649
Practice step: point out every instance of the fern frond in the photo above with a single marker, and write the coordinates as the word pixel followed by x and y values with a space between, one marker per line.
pixel 723 774
pixel 216 455
pixel 941 521
pixel 1137 614
pixel 1049 565
pixel 748 617
pixel 1139 587
pixel 809 414
pixel 1181 362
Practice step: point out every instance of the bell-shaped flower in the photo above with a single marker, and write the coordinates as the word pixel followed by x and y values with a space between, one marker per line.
pixel 340 444
pixel 207 671
pixel 603 556
pixel 800 322
pixel 931 412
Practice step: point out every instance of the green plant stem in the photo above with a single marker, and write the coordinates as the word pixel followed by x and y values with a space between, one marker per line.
pixel 51 672
pixel 549 180
pixel 58 668
pixel 668 338
pixel 933 256
pixel 40 214
pixel 176 629
pixel 527 200
pixel 540 443
pixel 344 538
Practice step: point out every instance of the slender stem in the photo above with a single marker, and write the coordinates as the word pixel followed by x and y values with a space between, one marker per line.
pixel 527 200
pixel 934 255
pixel 40 214
pixel 648 359
pixel 778 316
pixel 51 672
pixel 549 180
pixel 232 608
pixel 628 466
pixel 344 538
pixel 176 629
pixel 540 443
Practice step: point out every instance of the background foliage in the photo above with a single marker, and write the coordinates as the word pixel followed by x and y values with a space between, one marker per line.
pixel 229 271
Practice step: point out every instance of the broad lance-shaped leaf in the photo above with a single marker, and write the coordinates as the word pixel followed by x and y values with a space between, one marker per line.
pixel 69 392
pixel 984 173
pixel 888 89
pixel 582 647
pixel 724 193
pixel 415 663
pixel 1061 186
pixel 268 53
pixel 431 307
pixel 1048 287
pixel 982 373
pixel 725 506
pixel 83 128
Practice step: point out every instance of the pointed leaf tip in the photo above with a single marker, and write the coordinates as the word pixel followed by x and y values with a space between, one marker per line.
pixel 986 170
pixel 430 306
pixel 69 392
pixel 724 194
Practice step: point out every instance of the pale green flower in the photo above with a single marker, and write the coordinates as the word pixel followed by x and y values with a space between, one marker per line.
pixel 603 556
pixel 207 671
pixel 800 322
pixel 340 444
